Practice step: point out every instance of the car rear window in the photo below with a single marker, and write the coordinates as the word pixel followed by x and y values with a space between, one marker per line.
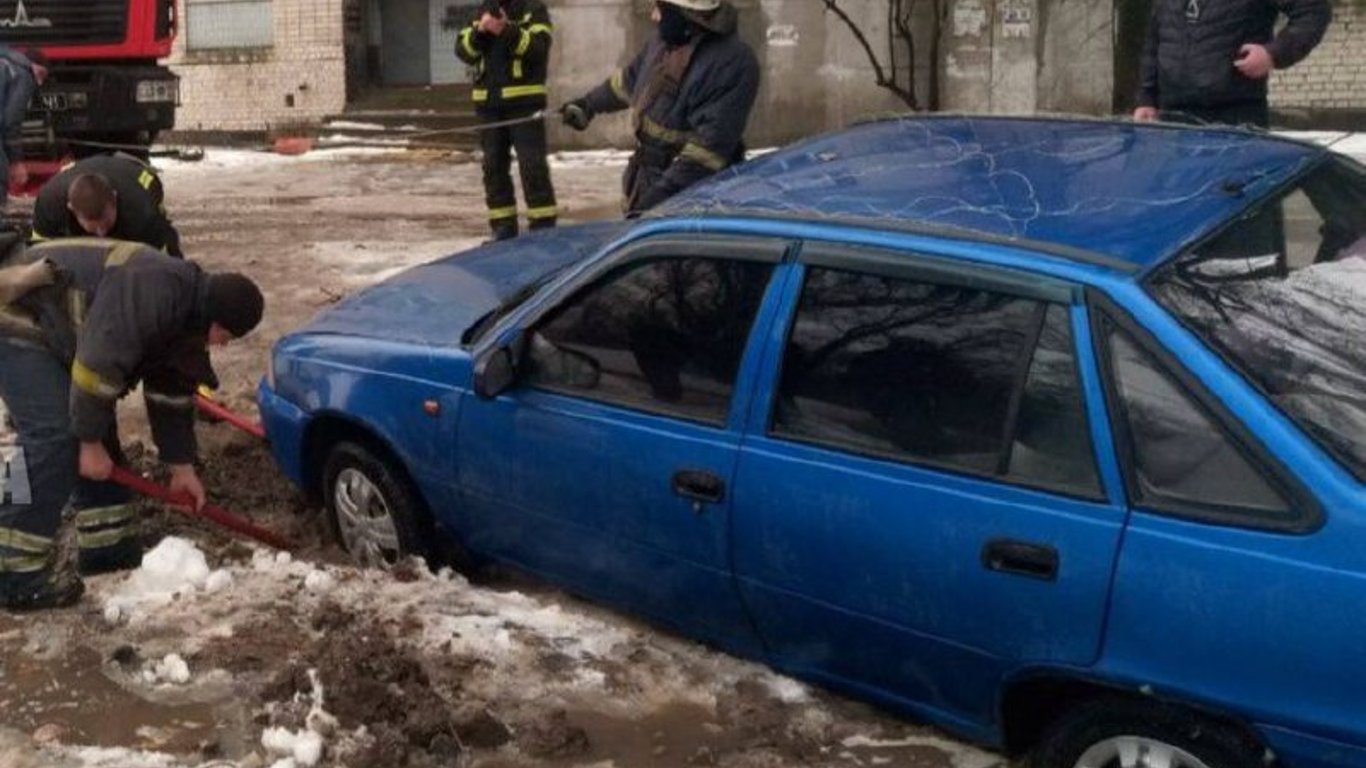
pixel 1281 295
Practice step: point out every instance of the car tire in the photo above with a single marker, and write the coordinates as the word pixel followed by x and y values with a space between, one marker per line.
pixel 1093 734
pixel 376 513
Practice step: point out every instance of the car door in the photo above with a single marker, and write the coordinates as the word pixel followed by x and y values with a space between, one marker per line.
pixel 609 465
pixel 918 506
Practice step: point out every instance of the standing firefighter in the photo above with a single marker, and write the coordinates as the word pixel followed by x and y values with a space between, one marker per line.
pixel 82 322
pixel 114 196
pixel 690 89
pixel 509 44
pixel 20 76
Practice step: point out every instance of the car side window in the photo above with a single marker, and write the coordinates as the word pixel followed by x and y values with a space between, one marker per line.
pixel 954 377
pixel 1181 460
pixel 664 336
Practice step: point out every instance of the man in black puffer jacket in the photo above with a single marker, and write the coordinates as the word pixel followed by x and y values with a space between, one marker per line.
pixel 690 90
pixel 1208 60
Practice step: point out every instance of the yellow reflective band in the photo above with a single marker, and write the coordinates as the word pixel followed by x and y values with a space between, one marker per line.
pixel 75 307
pixel 91 383
pixel 99 516
pixel 523 43
pixel 516 69
pixel 518 91
pixel 526 17
pixel 479 94
pixel 11 538
pixel 145 179
pixel 540 29
pixel 618 85
pixel 120 254
pixel 181 402
pixel 544 212
pixel 102 539
pixel 703 156
pixel 22 564
pixel 507 212
pixel 467 44
pixel 656 131
pixel 36 235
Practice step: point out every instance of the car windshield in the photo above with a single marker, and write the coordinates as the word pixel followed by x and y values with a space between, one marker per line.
pixel 1281 295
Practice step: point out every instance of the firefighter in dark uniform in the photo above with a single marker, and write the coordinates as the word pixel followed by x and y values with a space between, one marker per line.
pixel 690 90
pixel 82 322
pixel 116 196
pixel 509 45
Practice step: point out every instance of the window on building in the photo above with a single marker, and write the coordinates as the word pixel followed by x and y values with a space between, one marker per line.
pixel 216 24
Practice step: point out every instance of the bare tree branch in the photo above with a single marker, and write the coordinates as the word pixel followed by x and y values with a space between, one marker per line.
pixel 904 92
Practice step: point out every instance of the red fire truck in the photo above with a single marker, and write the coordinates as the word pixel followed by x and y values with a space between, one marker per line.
pixel 106 86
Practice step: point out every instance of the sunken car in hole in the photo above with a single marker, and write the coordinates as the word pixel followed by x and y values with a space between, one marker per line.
pixel 1049 432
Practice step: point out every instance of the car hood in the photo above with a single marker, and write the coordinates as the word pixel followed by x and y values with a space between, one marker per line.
pixel 435 303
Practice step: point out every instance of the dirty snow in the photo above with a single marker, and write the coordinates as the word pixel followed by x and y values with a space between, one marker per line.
pixel 173 568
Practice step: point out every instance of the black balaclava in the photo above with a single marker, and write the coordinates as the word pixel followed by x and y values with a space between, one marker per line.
pixel 674 27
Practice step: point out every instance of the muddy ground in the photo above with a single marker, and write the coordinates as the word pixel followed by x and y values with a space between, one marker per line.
pixel 406 668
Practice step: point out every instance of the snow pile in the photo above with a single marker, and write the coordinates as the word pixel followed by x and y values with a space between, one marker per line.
pixel 304 747
pixel 173 568
pixel 171 670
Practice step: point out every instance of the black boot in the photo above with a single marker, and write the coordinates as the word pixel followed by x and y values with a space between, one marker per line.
pixel 547 222
pixel 39 590
pixel 505 229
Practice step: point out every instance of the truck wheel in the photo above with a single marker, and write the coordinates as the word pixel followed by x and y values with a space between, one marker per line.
pixel 378 516
pixel 1125 733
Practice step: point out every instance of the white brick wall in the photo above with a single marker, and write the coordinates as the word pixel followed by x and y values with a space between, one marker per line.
pixel 1334 75
pixel 251 89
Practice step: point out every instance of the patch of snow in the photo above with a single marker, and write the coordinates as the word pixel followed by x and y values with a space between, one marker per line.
pixel 115 757
pixel 218 580
pixel 590 158
pixel 302 747
pixel 787 690
pixel 961 756
pixel 319 582
pixel 353 125
pixel 174 567
pixel 171 669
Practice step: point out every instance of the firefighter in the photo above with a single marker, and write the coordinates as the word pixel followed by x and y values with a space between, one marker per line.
pixel 21 74
pixel 690 90
pixel 509 44
pixel 82 322
pixel 116 196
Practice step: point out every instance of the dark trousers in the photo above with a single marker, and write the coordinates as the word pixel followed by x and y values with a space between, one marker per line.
pixel 1254 113
pixel 43 478
pixel 529 140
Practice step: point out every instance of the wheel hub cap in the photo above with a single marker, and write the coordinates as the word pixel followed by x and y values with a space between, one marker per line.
pixel 1137 752
pixel 366 525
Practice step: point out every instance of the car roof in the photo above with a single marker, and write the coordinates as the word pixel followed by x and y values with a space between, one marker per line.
pixel 1133 194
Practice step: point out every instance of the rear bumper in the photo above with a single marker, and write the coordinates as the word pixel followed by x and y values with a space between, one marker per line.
pixel 98 100
pixel 285 424
pixel 1300 750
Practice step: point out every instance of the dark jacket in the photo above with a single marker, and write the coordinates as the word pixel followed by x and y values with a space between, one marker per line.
pixel 511 67
pixel 1188 60
pixel 690 109
pixel 121 313
pixel 141 217
pixel 16 90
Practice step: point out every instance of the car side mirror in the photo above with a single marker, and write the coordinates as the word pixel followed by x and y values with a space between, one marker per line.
pixel 494 373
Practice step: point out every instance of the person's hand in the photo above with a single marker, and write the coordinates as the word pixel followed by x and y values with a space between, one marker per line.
pixel 1254 61
pixel 1145 114
pixel 184 481
pixel 96 464
pixel 18 174
pixel 576 115
pixel 493 24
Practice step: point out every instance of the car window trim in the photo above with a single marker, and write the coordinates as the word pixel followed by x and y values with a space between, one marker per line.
pixel 1308 512
pixel 763 250
pixel 903 266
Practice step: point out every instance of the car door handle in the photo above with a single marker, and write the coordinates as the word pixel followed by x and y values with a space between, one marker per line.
pixel 699 485
pixel 1021 558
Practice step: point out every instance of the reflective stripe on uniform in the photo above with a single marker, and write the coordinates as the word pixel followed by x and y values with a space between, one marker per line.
pixel 146 178
pixel 96 517
pixel 22 563
pixel 618 86
pixel 544 212
pixel 540 29
pixel 104 538
pixel 23 541
pixel 91 383
pixel 182 402
pixel 518 91
pixel 479 94
pixel 656 131
pixel 465 42
pixel 506 212
pixel 523 43
pixel 517 70
pixel 121 253
pixel 703 156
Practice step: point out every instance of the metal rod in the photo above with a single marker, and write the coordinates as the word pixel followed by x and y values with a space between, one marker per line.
pixel 185 505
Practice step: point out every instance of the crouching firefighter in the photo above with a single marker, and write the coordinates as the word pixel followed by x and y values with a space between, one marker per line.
pixel 690 89
pixel 509 45
pixel 82 322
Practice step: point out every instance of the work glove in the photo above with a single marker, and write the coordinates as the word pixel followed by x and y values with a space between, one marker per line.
pixel 576 114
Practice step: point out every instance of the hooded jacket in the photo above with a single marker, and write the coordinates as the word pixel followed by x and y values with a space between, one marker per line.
pixel 119 313
pixel 690 104
pixel 1191 47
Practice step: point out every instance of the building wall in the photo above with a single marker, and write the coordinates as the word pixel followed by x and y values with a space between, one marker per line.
pixel 1333 76
pixel 299 79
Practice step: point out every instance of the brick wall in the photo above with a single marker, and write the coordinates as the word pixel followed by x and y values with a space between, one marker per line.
pixel 1334 75
pixel 300 78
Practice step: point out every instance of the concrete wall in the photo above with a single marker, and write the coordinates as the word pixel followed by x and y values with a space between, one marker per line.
pixel 298 80
pixel 1334 75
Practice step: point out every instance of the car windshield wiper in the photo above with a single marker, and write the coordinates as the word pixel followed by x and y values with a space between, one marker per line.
pixel 517 299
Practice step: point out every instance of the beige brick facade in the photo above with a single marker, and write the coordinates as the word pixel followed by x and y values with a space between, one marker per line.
pixel 299 79
pixel 1334 75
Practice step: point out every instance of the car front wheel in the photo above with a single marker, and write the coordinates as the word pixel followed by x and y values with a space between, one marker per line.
pixel 376 513
pixel 1120 733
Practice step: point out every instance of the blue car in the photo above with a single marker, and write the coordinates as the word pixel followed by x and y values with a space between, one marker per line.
pixel 1049 432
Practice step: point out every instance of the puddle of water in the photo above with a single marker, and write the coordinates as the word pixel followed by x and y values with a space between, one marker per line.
pixel 73 693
